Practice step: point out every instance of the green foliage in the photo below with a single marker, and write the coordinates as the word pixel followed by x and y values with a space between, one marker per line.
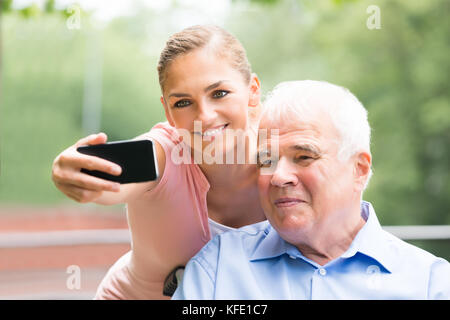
pixel 49 6
pixel 265 2
pixel 31 11
pixel 5 6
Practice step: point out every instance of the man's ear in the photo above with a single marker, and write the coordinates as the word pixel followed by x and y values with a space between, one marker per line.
pixel 166 111
pixel 363 163
pixel 255 91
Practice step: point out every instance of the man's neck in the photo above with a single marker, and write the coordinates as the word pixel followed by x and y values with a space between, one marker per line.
pixel 328 242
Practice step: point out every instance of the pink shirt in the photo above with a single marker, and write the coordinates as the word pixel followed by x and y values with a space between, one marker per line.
pixel 169 225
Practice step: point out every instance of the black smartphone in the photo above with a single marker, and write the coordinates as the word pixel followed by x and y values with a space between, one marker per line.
pixel 136 157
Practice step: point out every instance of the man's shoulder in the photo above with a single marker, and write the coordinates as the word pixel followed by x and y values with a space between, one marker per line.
pixel 237 242
pixel 411 254
pixel 246 237
pixel 422 264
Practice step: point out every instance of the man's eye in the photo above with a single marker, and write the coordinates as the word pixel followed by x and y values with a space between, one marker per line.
pixel 182 103
pixel 304 158
pixel 220 94
pixel 265 163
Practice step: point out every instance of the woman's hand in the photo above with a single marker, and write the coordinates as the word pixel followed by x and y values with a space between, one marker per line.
pixel 79 186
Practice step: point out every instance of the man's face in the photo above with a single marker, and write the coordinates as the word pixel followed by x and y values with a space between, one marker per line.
pixel 308 186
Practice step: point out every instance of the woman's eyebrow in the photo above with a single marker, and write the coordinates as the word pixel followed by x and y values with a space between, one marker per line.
pixel 179 95
pixel 214 85
pixel 208 88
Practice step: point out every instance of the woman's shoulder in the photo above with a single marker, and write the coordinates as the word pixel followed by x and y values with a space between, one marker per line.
pixel 164 133
pixel 173 156
pixel 165 138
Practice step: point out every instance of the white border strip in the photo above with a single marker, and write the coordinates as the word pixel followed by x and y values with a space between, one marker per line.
pixel 420 232
pixel 122 236
pixel 64 238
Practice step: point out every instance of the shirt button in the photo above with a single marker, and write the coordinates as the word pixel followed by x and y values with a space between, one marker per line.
pixel 322 271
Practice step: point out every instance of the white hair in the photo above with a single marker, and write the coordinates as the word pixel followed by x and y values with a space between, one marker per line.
pixel 295 101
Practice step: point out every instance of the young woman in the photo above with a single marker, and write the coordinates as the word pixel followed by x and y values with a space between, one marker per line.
pixel 208 90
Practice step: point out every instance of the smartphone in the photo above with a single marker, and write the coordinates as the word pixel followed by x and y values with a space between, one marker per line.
pixel 136 157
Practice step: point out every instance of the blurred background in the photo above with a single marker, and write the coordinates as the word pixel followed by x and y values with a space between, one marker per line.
pixel 71 68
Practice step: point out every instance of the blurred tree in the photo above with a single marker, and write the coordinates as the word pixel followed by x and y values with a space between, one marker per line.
pixel 5 5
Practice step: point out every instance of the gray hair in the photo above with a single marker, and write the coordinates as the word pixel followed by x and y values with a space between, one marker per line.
pixel 301 100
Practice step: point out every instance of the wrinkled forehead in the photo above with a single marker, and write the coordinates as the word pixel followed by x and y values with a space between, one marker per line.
pixel 315 134
pixel 315 123
pixel 288 134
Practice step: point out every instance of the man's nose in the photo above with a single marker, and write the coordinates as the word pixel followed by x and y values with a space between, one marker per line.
pixel 284 174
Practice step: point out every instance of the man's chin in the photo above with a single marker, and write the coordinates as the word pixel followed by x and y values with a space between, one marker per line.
pixel 289 221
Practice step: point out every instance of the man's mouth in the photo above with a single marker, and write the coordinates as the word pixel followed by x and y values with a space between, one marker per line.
pixel 287 202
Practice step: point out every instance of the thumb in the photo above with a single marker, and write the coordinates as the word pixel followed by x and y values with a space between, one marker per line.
pixel 92 139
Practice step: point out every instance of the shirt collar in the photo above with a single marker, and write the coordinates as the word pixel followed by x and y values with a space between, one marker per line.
pixel 371 241
pixel 271 246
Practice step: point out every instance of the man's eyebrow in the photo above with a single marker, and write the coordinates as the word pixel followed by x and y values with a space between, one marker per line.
pixel 306 147
pixel 208 88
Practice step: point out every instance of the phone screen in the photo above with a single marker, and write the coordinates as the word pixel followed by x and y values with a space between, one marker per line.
pixel 136 157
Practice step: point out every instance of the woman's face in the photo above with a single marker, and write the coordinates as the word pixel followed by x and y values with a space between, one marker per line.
pixel 206 96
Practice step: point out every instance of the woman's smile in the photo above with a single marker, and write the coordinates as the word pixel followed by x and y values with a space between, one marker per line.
pixel 212 132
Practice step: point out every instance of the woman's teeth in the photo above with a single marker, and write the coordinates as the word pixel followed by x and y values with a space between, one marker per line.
pixel 213 132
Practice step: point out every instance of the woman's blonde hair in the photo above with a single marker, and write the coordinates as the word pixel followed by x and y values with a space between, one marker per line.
pixel 200 36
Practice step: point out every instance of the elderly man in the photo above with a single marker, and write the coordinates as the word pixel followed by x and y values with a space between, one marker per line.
pixel 323 241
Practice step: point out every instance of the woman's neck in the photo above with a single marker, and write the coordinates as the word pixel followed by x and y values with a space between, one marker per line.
pixel 233 198
pixel 229 176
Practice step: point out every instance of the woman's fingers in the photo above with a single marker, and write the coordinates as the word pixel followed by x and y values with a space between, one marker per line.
pixel 78 160
pixel 91 183
pixel 67 175
pixel 92 139
pixel 79 194
pixel 85 181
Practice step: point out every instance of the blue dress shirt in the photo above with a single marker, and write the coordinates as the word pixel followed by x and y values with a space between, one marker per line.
pixel 256 263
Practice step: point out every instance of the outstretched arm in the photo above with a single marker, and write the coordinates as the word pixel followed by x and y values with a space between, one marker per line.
pixel 84 188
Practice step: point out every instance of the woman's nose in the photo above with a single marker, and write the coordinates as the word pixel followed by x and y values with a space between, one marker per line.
pixel 206 114
pixel 284 174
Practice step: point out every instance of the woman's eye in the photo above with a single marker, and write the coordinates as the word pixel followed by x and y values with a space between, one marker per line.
pixel 182 103
pixel 220 94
